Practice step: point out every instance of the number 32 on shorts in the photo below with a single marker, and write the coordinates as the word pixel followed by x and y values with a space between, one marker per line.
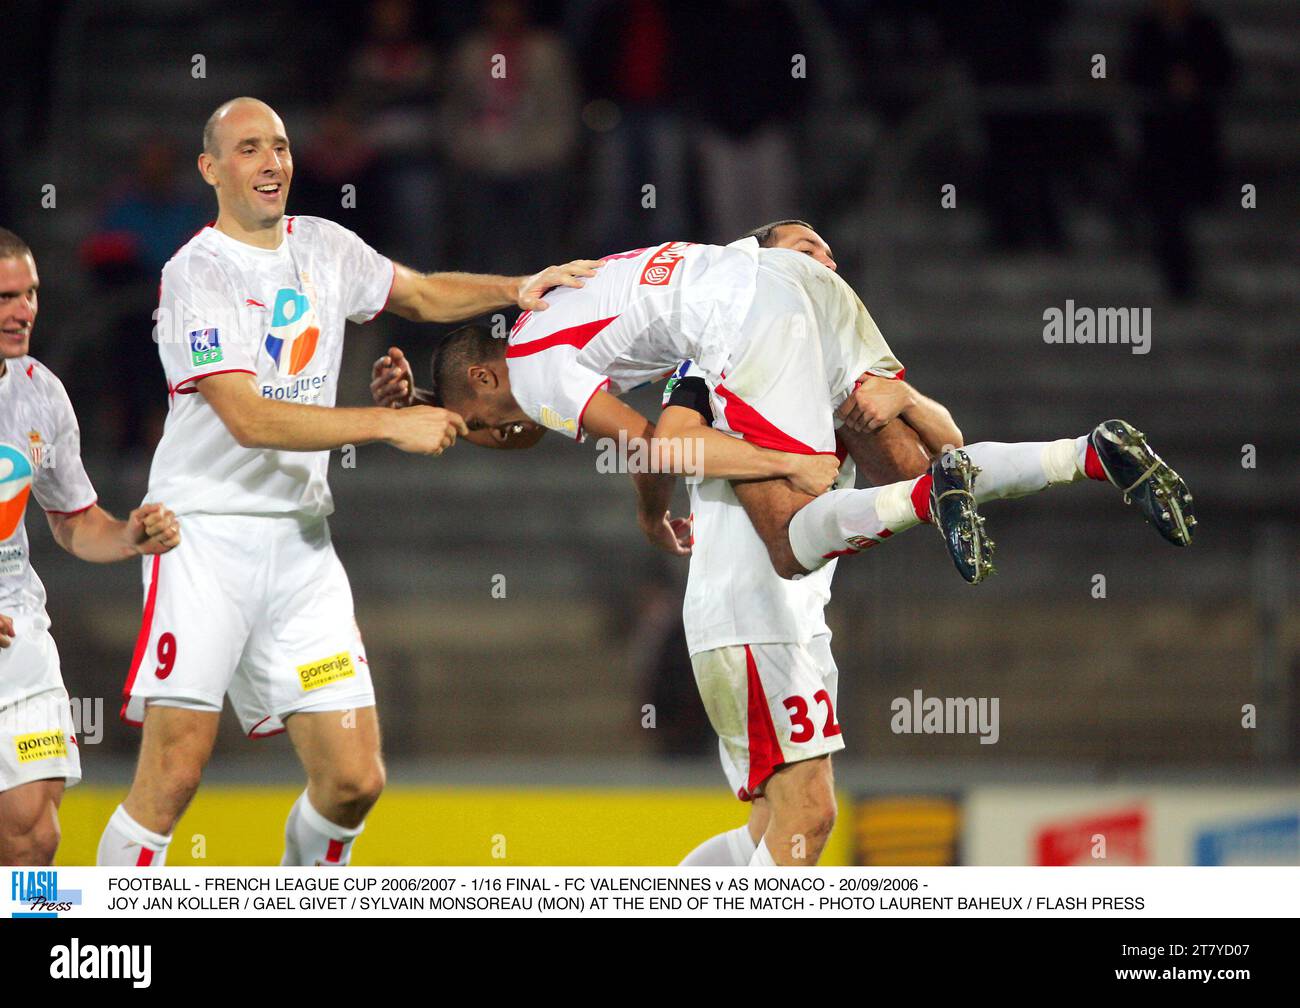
pixel 804 729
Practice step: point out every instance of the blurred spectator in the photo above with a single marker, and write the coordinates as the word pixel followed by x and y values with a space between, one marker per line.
pixel 147 217
pixel 512 124
pixel 632 61
pixel 336 155
pixel 394 90
pixel 740 84
pixel 1179 55
pixel 1007 45
pixel 661 665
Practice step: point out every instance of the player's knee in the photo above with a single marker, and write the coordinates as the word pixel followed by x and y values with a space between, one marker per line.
pixel 356 791
pixel 784 562
pixel 45 840
pixel 34 844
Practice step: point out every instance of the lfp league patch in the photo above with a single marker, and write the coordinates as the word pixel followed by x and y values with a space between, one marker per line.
pixel 205 346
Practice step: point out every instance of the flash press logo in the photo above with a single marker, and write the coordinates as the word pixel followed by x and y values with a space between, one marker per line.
pixel 75 961
pixel 39 893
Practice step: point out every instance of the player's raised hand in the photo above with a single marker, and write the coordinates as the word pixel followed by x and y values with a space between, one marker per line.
pixel 152 529
pixel 391 382
pixel 7 634
pixel 568 275
pixel 875 402
pixel 672 535
pixel 813 474
pixel 425 430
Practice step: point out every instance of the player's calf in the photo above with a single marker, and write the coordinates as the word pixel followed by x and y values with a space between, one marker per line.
pixel 801 797
pixel 29 823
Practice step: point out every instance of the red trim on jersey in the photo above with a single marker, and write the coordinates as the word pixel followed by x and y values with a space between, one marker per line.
pixel 391 284
pixel 875 540
pixel 30 368
pixel 902 373
pixel 921 497
pixel 145 859
pixel 1092 467
pixel 756 428
pixel 179 387
pixel 69 514
pixel 288 225
pixel 577 435
pixel 575 336
pixel 764 750
pixel 334 853
pixel 142 641
pixel 254 734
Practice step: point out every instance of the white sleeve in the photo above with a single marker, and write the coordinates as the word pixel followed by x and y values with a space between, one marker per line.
pixel 60 482
pixel 201 329
pixel 552 388
pixel 368 277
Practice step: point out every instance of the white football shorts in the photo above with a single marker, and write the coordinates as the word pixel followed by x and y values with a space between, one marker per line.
pixel 802 347
pixel 771 704
pixel 37 735
pixel 254 607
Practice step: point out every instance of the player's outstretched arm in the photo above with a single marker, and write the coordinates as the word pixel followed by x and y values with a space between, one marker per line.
pixel 687 444
pixel 607 416
pixel 454 297
pixel 392 385
pixel 256 422
pixel 96 536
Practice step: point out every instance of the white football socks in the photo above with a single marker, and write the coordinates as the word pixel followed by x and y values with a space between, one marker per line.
pixel 127 844
pixel 733 848
pixel 1017 469
pixel 848 521
pixel 312 840
pixel 762 856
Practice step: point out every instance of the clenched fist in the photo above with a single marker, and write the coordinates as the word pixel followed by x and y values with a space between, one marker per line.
pixel 813 474
pixel 424 430
pixel 152 529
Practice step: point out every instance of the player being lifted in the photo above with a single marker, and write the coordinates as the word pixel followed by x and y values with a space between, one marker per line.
pixel 255 605
pixel 784 344
pixel 40 453
pixel 763 662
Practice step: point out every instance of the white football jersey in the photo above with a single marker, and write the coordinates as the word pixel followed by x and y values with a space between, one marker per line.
pixel 650 309
pixel 733 594
pixel 277 315
pixel 40 453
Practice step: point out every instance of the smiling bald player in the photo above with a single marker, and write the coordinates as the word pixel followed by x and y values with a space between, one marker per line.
pixel 255 605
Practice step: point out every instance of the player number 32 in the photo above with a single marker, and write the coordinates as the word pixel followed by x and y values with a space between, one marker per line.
pixel 803 728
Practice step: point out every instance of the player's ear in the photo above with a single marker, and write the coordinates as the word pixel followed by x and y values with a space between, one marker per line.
pixel 205 169
pixel 481 376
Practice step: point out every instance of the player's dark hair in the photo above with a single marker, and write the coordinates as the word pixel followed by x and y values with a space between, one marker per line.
pixel 11 246
pixel 764 234
pixel 457 353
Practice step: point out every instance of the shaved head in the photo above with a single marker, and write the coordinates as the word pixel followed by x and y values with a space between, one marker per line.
pixel 210 127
